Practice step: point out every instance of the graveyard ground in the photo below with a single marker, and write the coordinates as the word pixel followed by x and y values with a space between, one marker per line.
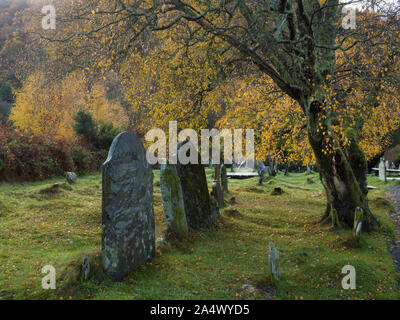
pixel 59 228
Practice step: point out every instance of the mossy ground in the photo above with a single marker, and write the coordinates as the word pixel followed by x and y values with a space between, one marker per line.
pixel 58 229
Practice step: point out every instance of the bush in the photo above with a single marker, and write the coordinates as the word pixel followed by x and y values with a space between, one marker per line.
pixel 5 108
pixel 25 157
pixel 6 93
pixel 99 136
pixel 81 161
pixel 105 136
pixel 85 126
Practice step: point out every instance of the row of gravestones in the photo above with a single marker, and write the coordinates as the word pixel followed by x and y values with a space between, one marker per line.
pixel 128 226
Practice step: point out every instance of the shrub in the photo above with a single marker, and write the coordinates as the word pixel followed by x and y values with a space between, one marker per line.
pixel 5 108
pixel 25 157
pixel 85 126
pixel 6 93
pixel 99 136
pixel 106 135
pixel 81 161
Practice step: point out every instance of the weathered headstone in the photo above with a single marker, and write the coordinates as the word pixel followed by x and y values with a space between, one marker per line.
pixel 224 178
pixel 172 199
pixel 261 174
pixel 71 177
pixel 199 209
pixel 387 164
pixel 217 194
pixel 85 268
pixel 273 257
pixel 358 216
pixel 128 239
pixel 382 170
pixel 262 170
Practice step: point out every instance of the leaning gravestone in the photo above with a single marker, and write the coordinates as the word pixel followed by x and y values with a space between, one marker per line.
pixel 382 170
pixel 128 239
pixel 172 199
pixel 200 210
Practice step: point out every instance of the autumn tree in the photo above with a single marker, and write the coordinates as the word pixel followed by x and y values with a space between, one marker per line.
pixel 293 42
pixel 46 106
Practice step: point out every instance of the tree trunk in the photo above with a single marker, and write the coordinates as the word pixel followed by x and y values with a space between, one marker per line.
pixel 343 190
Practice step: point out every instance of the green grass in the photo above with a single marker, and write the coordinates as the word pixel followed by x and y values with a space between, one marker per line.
pixel 59 229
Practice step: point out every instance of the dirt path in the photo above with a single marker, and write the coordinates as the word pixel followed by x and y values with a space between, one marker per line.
pixel 393 194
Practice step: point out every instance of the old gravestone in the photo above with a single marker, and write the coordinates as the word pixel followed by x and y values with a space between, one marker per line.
pixel 200 210
pixel 273 257
pixel 262 169
pixel 172 199
pixel 128 239
pixel 382 170
pixel 71 177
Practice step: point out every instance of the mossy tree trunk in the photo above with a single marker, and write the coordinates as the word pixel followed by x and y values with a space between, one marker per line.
pixel 341 170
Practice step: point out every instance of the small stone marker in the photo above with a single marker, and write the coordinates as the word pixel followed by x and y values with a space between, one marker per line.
pixel 273 261
pixel 382 170
pixel 172 199
pixel 261 174
pixel 217 194
pixel 71 177
pixel 199 209
pixel 358 215
pixel 85 268
pixel 128 239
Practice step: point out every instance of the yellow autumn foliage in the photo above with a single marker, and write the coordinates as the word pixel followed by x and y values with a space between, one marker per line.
pixel 47 107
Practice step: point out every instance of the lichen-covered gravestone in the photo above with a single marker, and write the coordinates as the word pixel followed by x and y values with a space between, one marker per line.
pixel 172 199
pixel 382 170
pixel 128 218
pixel 71 177
pixel 273 257
pixel 200 210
